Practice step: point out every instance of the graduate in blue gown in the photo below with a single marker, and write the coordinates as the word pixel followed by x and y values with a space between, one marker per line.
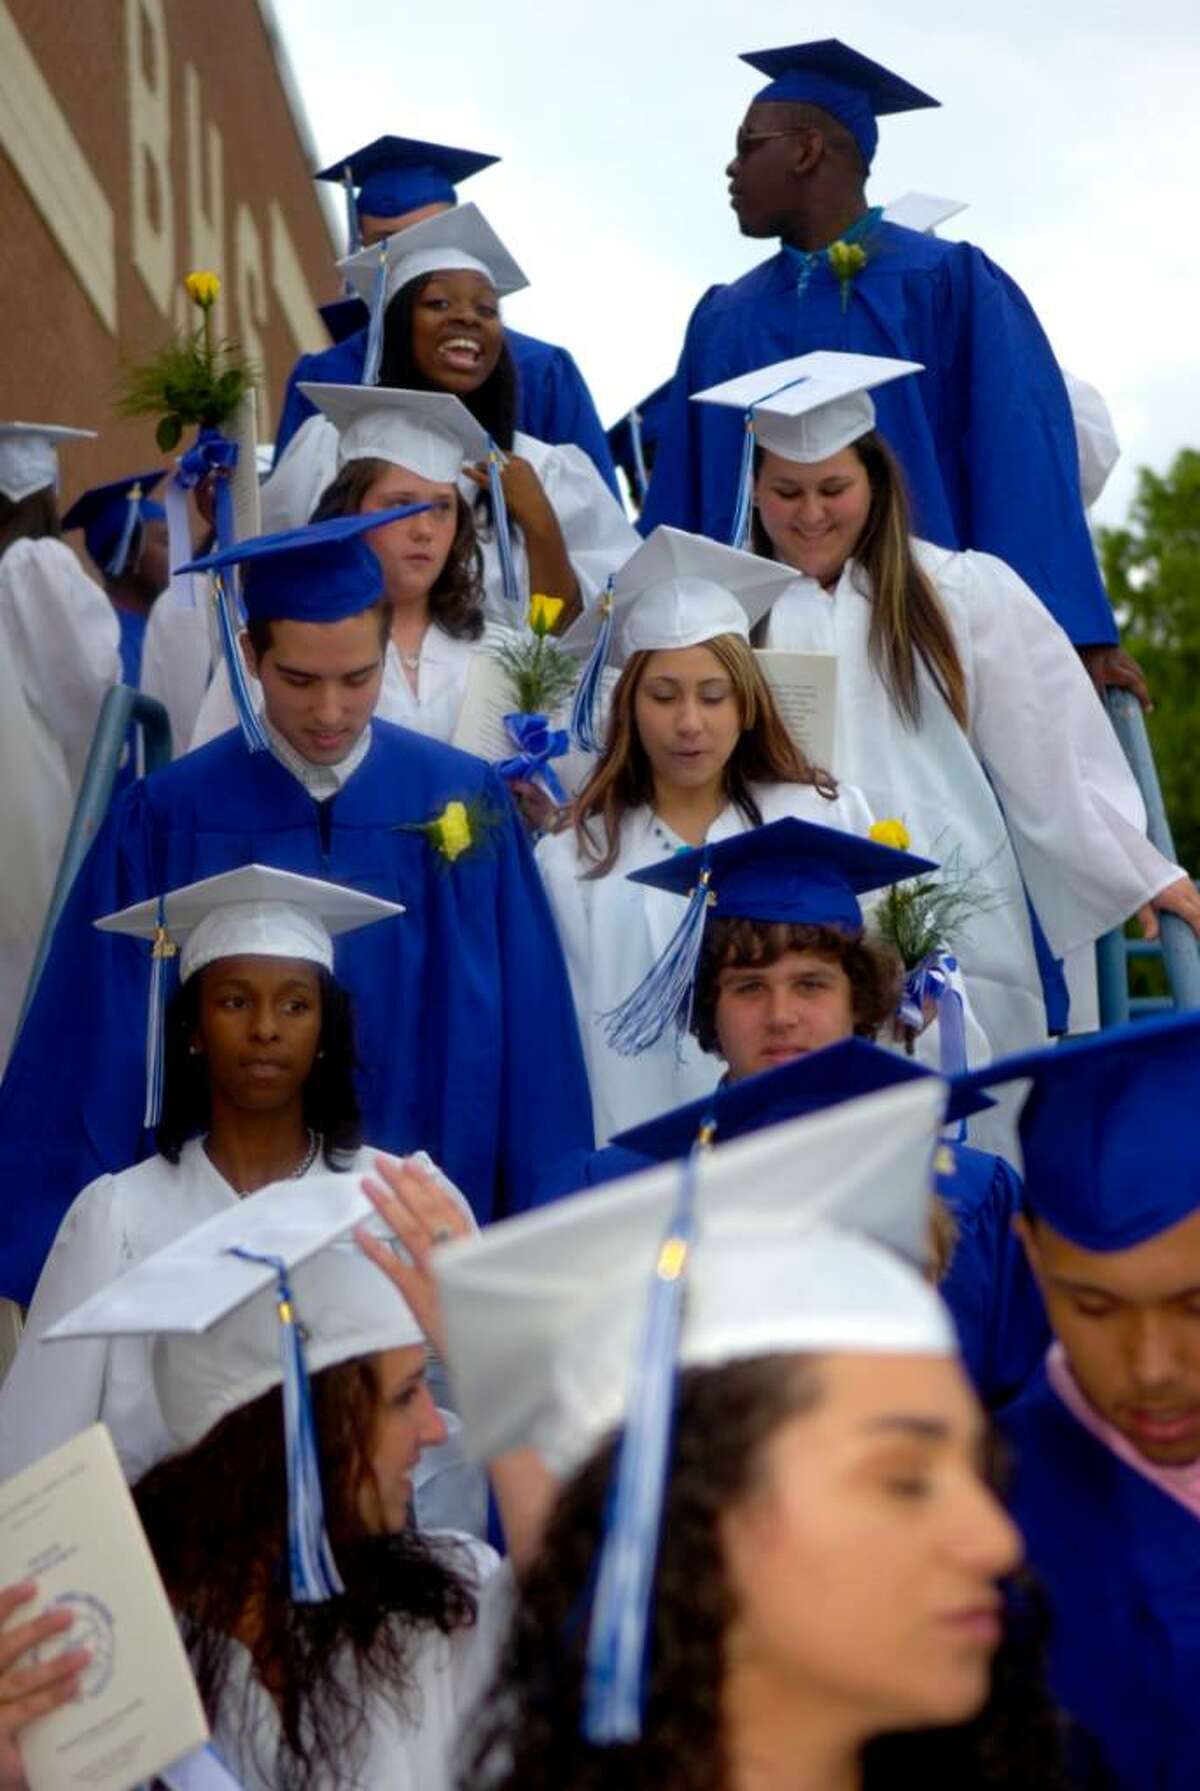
pixel 125 533
pixel 784 977
pixel 399 181
pixel 466 1030
pixel 984 434
pixel 1107 1436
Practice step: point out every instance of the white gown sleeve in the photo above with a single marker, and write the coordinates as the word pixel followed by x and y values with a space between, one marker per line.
pixel 217 714
pixel 53 1390
pixel 557 860
pixel 308 464
pixel 1073 810
pixel 177 658
pixel 599 536
pixel 64 640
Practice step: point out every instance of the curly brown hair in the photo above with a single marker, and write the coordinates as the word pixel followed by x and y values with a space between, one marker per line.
pixel 527 1731
pixel 874 969
pixel 216 1519
pixel 32 518
pixel 765 753
pixel 456 596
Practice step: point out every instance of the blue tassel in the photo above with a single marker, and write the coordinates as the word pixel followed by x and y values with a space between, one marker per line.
pixel 740 534
pixel 119 558
pixel 508 571
pixel 251 726
pixel 312 1568
pixel 584 726
pixel 353 228
pixel 163 949
pixel 664 994
pixel 618 1641
pixel 374 355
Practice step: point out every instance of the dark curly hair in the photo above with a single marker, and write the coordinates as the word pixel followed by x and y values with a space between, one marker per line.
pixel 874 969
pixel 527 1731
pixel 32 518
pixel 456 595
pixel 493 405
pixel 331 1106
pixel 216 1519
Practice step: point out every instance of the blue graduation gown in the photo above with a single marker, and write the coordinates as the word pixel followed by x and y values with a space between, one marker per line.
pixel 1120 1561
pixel 985 434
pixel 133 636
pixel 553 403
pixel 991 1293
pixel 466 1028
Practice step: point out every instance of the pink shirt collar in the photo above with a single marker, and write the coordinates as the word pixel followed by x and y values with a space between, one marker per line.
pixel 1180 1484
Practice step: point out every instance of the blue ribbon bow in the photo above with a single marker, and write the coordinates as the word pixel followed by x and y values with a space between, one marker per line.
pixel 538 743
pixel 211 453
pixel 930 980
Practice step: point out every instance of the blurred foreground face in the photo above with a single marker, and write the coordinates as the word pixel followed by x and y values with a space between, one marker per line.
pixel 1129 1321
pixel 865 1561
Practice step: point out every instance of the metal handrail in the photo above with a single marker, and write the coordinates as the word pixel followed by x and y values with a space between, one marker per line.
pixel 1180 948
pixel 120 707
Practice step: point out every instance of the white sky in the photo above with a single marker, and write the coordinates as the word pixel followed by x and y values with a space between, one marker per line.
pixel 1071 126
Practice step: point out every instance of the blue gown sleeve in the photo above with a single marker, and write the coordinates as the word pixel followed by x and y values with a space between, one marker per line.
pixel 546 1106
pixel 296 407
pixel 989 1287
pixel 699 445
pixel 65 1112
pixel 1018 460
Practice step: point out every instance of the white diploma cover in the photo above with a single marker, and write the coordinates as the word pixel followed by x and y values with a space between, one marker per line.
pixel 69 1523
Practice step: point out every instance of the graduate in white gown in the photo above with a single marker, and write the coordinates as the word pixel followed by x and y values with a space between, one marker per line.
pixel 396 448
pixel 436 289
pixel 60 654
pixel 258 1087
pixel 695 751
pixel 334 1644
pixel 962 707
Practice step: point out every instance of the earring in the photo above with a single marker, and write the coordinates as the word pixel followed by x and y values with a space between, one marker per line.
pixel 194 1051
pixel 320 1053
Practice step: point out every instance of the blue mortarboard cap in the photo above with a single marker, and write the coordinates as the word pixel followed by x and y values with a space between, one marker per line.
pixel 633 440
pixel 827 73
pixel 320 573
pixel 1111 1130
pixel 808 1084
pixel 399 174
pixel 790 871
pixel 109 516
pixel 343 317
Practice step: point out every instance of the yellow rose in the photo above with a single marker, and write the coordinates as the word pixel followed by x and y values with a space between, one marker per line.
pixel 891 833
pixel 453 830
pixel 544 613
pixel 203 289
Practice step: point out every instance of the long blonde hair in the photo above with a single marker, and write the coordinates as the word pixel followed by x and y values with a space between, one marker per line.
pixel 907 622
pixel 765 753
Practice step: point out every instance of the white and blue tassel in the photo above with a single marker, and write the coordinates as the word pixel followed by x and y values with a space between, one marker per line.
pixel 664 995
pixel 740 534
pixel 353 229
pixel 584 725
pixel 617 1660
pixel 161 953
pixel 243 702
pixel 508 570
pixel 119 558
pixel 312 1569
pixel 379 302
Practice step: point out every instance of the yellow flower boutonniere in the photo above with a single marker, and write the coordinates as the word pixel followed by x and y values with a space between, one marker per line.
pixel 891 833
pixel 461 827
pixel 544 613
pixel 846 260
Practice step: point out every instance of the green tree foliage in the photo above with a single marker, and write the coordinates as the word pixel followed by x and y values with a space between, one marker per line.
pixel 1152 570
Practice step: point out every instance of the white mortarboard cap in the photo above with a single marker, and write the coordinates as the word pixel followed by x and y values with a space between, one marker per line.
pixel 922 211
pixel 812 406
pixel 461 238
pixel 1096 435
pixel 429 433
pixel 253 911
pixel 797 1233
pixel 29 457
pixel 214 1314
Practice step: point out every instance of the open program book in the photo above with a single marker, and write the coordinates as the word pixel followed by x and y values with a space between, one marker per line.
pixel 804 686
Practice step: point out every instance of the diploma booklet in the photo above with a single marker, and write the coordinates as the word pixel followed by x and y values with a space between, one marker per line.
pixel 804 686
pixel 69 1524
pixel 486 701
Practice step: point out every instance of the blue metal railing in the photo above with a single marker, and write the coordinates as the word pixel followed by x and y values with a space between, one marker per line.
pixel 120 707
pixel 1179 948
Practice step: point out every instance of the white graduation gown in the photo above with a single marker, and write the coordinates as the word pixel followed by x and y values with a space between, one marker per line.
pixel 1040 755
pixel 178 657
pixel 613 931
pixel 404 1744
pixel 60 654
pixel 433 709
pixel 599 536
pixel 54 1389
